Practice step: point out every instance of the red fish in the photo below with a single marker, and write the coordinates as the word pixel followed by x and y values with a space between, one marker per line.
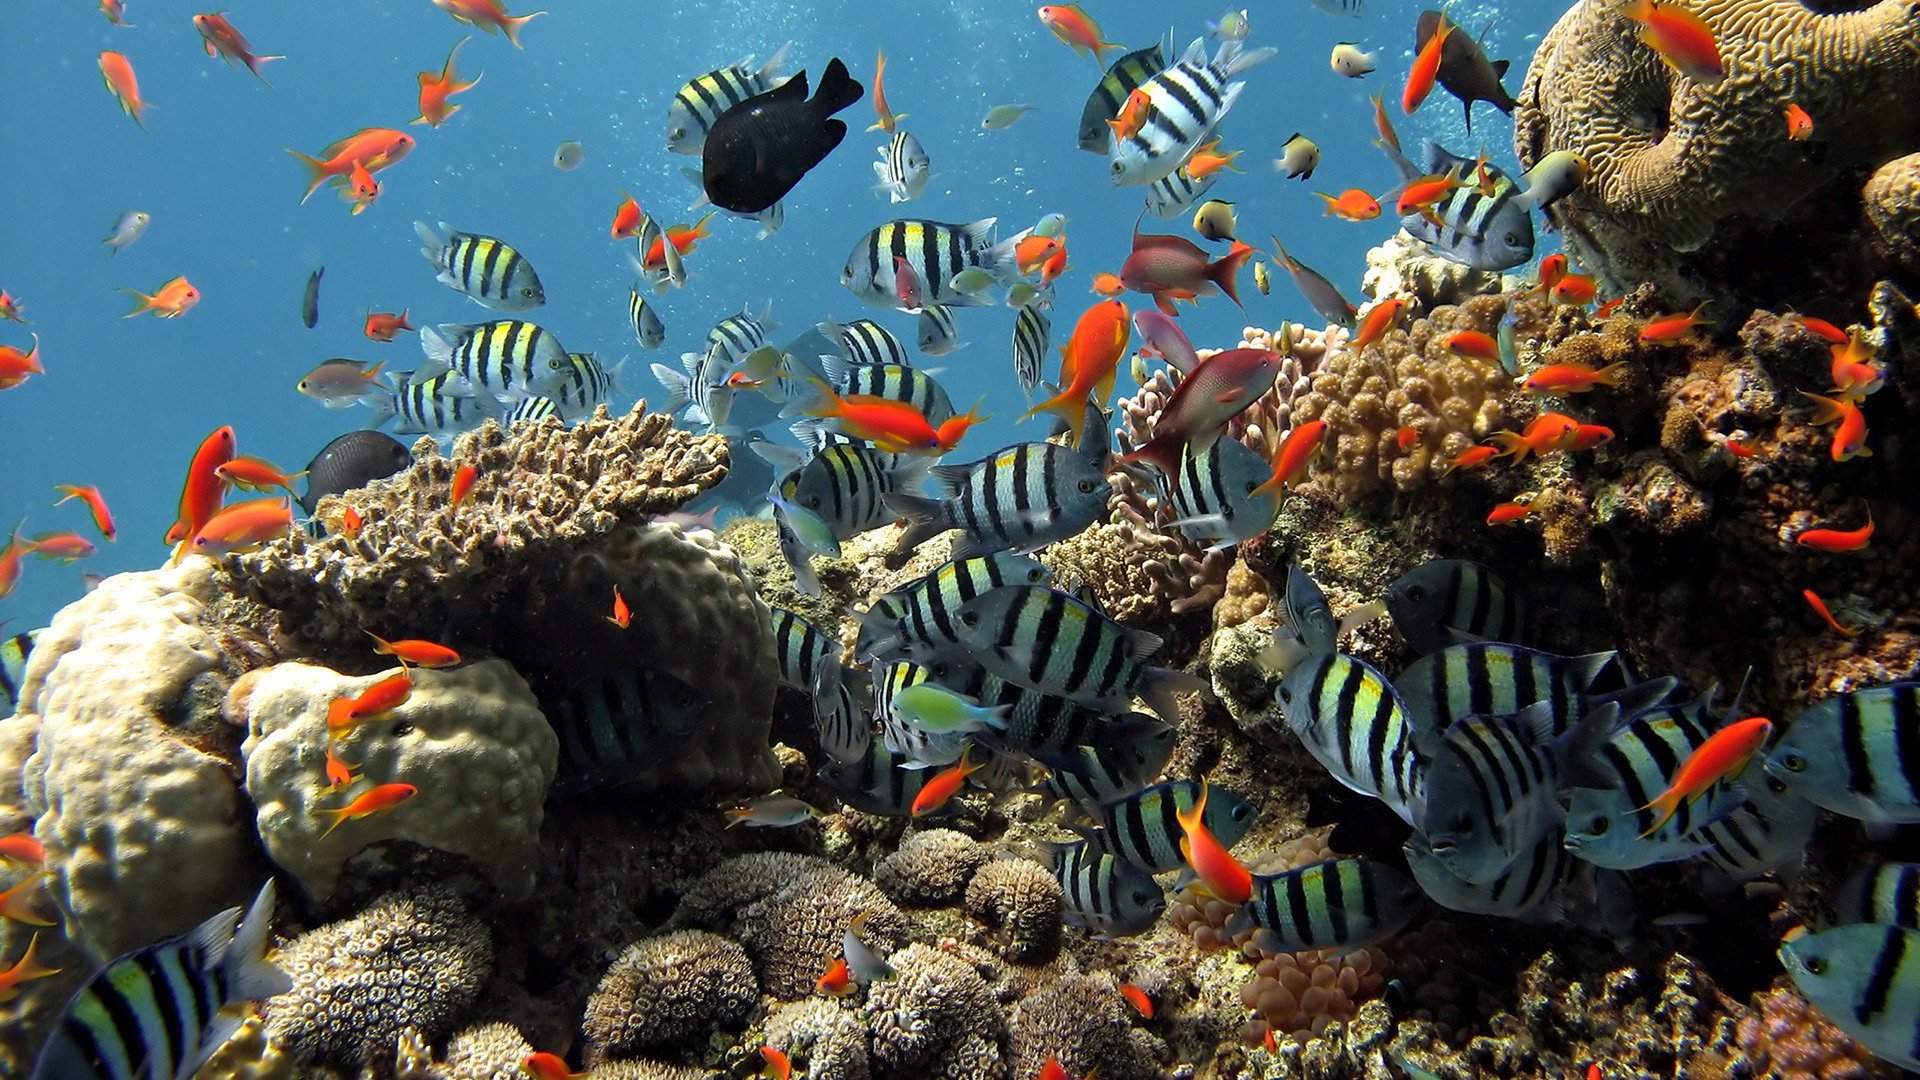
pixel 20 903
pixel 1722 756
pixel 349 710
pixel 1548 432
pixel 61 547
pixel 836 980
pixel 24 970
pixel 1799 124
pixel 1681 38
pixel 116 12
pixel 223 40
pixel 1137 998
pixel 1133 115
pixel 946 784
pixel 201 494
pixel 1826 614
pixel 626 220
pixel 1219 389
pixel 1575 289
pixel 1419 196
pixel 1426 67
pixel 436 88
pixel 1108 285
pixel 1379 319
pixel 1073 26
pixel 375 148
pixel 777 1062
pixel 1669 328
pixel 1855 375
pixel 383 325
pixel 545 1066
pixel 1051 270
pixel 1212 863
pixel 488 15
pixel 426 654
pixel 350 522
pixel 684 237
pixel 21 847
pixel 622 616
pixel 118 71
pixel 1030 253
pixel 255 474
pixel 887 118
pixel 1509 513
pixel 1588 436
pixel 362 189
pixel 1574 378
pixel 170 301
pixel 1473 457
pixel 1168 267
pixel 339 773
pixel 96 505
pixel 1850 426
pixel 10 307
pixel 375 800
pixel 1836 539
pixel 15 365
pixel 1821 328
pixel 1473 345
pixel 1089 363
pixel 1552 269
pixel 1739 448
pixel 1290 462
pixel 243 527
pixel 11 556
pixel 463 479
pixel 896 427
pixel 1208 159
pixel 1406 438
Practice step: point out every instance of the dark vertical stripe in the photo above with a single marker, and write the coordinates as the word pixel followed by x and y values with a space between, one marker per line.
pixel 1885 969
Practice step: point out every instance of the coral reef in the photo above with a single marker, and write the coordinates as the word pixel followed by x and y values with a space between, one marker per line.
pixel 1783 1036
pixel 472 740
pixel 492 1051
pixel 1692 184
pixel 667 993
pixel 930 867
pixel 1892 197
pixel 250 1053
pixel 1404 268
pixel 1022 901
pixel 936 1018
pixel 828 1038
pixel 1084 1023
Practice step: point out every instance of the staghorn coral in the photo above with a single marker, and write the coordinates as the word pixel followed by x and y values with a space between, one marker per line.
pixel 930 867
pixel 829 1039
pixel 667 993
pixel 411 961
pixel 1688 180
pixel 1022 900
pixel 1783 1036
pixel 471 739
pixel 492 1051
pixel 936 1018
pixel 1084 1023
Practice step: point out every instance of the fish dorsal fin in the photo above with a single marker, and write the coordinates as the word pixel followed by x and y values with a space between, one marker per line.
pixel 1500 68
pixel 1196 53
pixel 794 89
pixel 980 233
pixel 949 479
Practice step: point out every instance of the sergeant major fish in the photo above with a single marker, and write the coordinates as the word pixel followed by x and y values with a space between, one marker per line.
pixel 1142 828
pixel 864 341
pixel 1337 904
pixel 439 404
pixel 1486 230
pixel 1031 333
pixel 1122 78
pixel 1184 104
pixel 1350 718
pixel 701 101
pixel 1444 602
pixel 489 271
pixel 1170 196
pixel 507 358
pixel 935 252
pixel 920 614
pixel 1104 893
pixel 1212 494
pixel 648 330
pixel 903 168
pixel 1865 979
pixel 615 726
pixel 1850 753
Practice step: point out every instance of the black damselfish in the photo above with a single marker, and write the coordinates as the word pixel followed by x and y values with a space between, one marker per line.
pixel 759 149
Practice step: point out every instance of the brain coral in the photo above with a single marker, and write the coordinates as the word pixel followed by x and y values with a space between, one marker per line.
pixel 410 961
pixel 1893 206
pixel 1675 164
pixel 668 993
pixel 470 739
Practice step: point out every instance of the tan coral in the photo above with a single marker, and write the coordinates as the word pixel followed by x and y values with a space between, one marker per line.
pixel 1082 1022
pixel 930 867
pixel 1022 900
pixel 1407 269
pixel 492 1051
pixel 1893 207
pixel 250 1053
pixel 824 1036
pixel 668 993
pixel 936 1018
pixel 471 739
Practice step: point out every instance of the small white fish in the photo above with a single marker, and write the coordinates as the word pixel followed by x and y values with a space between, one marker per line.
pixel 1054 225
pixel 1262 280
pixel 863 963
pixel 771 811
pixel 1001 117
pixel 1348 60
pixel 568 157
pixel 903 168
pixel 938 334
pixel 131 226
pixel 1298 157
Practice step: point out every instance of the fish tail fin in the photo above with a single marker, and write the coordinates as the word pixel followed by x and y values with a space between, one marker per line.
pixel 254 62
pixel 316 173
pixel 1100 49
pixel 1826 409
pixel 1069 406
pixel 250 975
pixel 1668 804
pixel 837 89
pixel 926 518
pixel 1511 443
pixel 1613 374
pixel 511 25
pixel 1225 271
pixel 1160 685
pixel 144 303
pixel 679 388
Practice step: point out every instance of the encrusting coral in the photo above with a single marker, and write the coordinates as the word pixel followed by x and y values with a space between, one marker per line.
pixel 936 1018
pixel 1082 1022
pixel 667 993
pixel 1022 901
pixel 830 1040
pixel 932 866
pixel 492 1051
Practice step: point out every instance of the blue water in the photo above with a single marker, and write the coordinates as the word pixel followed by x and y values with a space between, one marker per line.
pixel 125 401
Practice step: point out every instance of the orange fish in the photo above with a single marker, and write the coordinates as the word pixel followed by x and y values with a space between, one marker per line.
pixel 63 547
pixel 362 189
pixel 1208 160
pixel 1588 436
pixel 1739 448
pixel 1608 308
pixel 383 325
pixel 626 220
pixel 836 980
pixel 118 71
pixel 26 969
pixel 488 15
pixel 426 654
pixel 1669 328
pixel 435 89
pixel 115 11
pixel 21 847
pixel 1137 998
pixel 374 800
pixel 1073 26
pixel 622 615
pixel 1826 614
pixel 946 784
pixel 1548 432
pixel 1388 136
pixel 1473 457
pixel 1836 539
pixel 1509 513
pixel 350 522
pixel 1406 438
pixel 1051 270
pixel 1213 864
pixel 545 1066
pixel 11 556
pixel 1681 38
pixel 777 1062
pixel 1352 204
pixel 1724 754
pixel 1051 1069
pixel 339 773
pixel 1850 426
pixel 243 527
pixel 1030 253
pixel 1290 462
pixel 10 307
pixel 17 903
pixel 1574 378
pixel 1419 196
pixel 201 494
pixel 1552 269
pixel 1089 363
pixel 896 427
pixel 1426 67
pixel 1821 328
pixel 96 505
pixel 254 474
pixel 171 301
pixel 1576 289
pixel 1473 345
pixel 223 40
pixel 376 148
pixel 1108 285
pixel 1133 115
pixel 1799 124
pixel 1378 320
pixel 463 479
pixel 1855 375
pixel 684 237
pixel 347 710
pixel 15 365
pixel 887 118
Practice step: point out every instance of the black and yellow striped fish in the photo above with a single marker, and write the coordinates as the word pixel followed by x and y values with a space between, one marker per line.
pixel 864 341
pixel 933 253
pixel 586 385
pixel 701 101
pixel 617 725
pixel 437 405
pixel 809 659
pixel 1125 75
pixel 1023 498
pixel 1856 754
pixel 880 782
pixel 1144 829
pixel 921 613
pixel 531 411
pixel 1353 722
pixel 14 650
pixel 488 270
pixel 507 358
pixel 1338 904
pixel 1031 332
pixel 1115 765
pixel 1445 602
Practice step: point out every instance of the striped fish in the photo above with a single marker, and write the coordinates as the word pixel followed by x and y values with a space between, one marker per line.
pixel 1516 894
pixel 798 555
pixel 1492 789
pixel 864 341
pixel 1446 602
pixel 701 101
pixel 159 1013
pixel 895 382
pixel 507 358
pixel 648 330
pixel 1174 194
pixel 532 410
pixel 1031 332
pixel 1488 231
pixel 1866 980
pixel 1184 104
pixel 901 173
pixel 1142 828
pixel 1044 727
pixel 734 337
pixel 1352 721
pixel 14 651
pixel 1100 772
pixel 1767 836
pixel 1341 904
pixel 904 739
pixel 809 658
pixel 936 252
pixel 1046 640
pixel 1856 754
pixel 1104 893
pixel 842 724
pixel 439 405
pixel 615 726
pixel 1022 498
pixel 1605 825
pixel 586 385
pixel 1212 494
pixel 1122 78
pixel 881 782
pixel 1485 678
pixel 921 612
pixel 488 270
pixel 938 334
pixel 847 484
pixel 1888 893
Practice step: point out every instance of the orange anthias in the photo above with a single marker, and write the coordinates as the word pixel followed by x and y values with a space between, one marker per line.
pixel 339 773
pixel 1212 863
pixel 426 654
pixel 1419 196
pixel 362 189
pixel 10 307
pixel 201 494
pixel 1722 756
pixel 21 902
pixel 1855 375
pixel 947 784
pixel 1051 270
pixel 1137 998
pixel 1073 26
pixel 349 710
pixel 1209 160
pixel 1473 457
pixel 1108 285
pixel 1089 363
pixel 118 71
pixel 383 325
pixel 463 479
pixel 65 547
pixel 1821 609
pixel 778 1065
pixel 1031 253
pixel 626 220
pixel 15 365
pixel 1799 124
pixel 1133 115
pixel 1552 269
pixel 21 847
pixel 1836 539
pixel 375 148
pixel 622 616
pixel 1473 345
pixel 436 88
pixel 1668 328
pixel 12 555
pixel 1509 513
pixel 836 980
pixel 256 474
pixel 1379 319
pixel 887 119
pixel 24 970
pixel 223 40
pixel 1681 38
pixel 1850 426
pixel 375 800
pixel 1290 462
pixel 896 427
pixel 684 238
pixel 170 301
pixel 1576 289
pixel 96 505
pixel 1426 67
pixel 488 15
pixel 546 1066
pixel 1548 432
pixel 243 527
pixel 1352 204
pixel 1574 378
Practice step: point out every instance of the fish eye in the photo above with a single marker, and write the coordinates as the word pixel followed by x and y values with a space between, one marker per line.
pixel 1598 826
pixel 1284 695
pixel 403 728
pixel 811 502
pixel 970 618
pixel 1416 592
pixel 1794 761
pixel 1086 487
pixel 1513 240
pixel 1118 168
pixel 527 292
pixel 1816 965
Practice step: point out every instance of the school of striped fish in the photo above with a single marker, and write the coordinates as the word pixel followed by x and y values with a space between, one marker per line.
pixel 1533 785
